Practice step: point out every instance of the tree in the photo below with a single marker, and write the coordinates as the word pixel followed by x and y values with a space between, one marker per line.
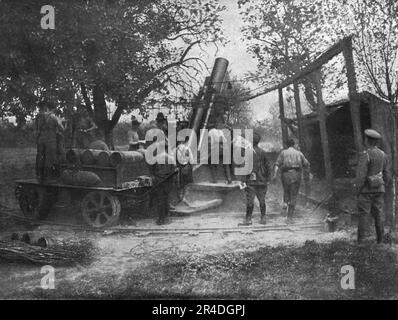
pixel 285 36
pixel 238 111
pixel 119 51
pixel 270 127
pixel 375 24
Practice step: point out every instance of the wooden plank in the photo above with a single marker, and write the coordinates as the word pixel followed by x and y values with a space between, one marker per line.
pixel 352 93
pixel 324 133
pixel 282 117
pixel 299 115
pixel 312 67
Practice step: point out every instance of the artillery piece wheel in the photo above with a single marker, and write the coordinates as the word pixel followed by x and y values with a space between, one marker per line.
pixel 35 202
pixel 100 209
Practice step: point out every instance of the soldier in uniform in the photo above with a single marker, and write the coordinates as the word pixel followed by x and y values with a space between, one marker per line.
pixel 291 162
pixel 373 173
pixel 162 172
pixel 218 141
pixel 133 135
pixel 85 128
pixel 161 122
pixel 49 129
pixel 257 182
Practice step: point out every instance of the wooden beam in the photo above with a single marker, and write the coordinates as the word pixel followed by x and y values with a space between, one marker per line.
pixel 312 67
pixel 290 126
pixel 299 115
pixel 355 103
pixel 324 132
pixel 282 117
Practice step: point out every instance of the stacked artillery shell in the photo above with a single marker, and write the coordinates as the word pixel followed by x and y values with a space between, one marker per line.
pixel 95 157
pixel 103 159
pixel 73 156
pixel 131 164
pixel 118 158
pixel 88 157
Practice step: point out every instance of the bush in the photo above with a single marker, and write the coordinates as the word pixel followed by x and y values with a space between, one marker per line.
pixel 14 137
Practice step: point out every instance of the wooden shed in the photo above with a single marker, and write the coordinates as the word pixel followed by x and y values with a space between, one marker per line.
pixel 374 113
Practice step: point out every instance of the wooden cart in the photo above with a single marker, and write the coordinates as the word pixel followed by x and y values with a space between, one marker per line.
pixel 120 184
pixel 99 206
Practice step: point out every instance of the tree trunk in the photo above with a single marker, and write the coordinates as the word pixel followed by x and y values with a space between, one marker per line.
pixel 285 135
pixel 394 164
pixel 21 121
pixel 101 115
pixel 108 136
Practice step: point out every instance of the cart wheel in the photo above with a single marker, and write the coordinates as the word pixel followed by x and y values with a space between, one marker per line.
pixel 100 209
pixel 35 202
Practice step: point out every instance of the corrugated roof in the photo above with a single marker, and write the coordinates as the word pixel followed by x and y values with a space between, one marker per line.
pixel 336 105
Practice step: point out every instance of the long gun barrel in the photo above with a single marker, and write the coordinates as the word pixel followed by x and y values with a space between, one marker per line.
pixel 212 88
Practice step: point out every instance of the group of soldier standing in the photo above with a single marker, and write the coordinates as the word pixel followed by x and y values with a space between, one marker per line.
pixel 372 174
pixel 50 138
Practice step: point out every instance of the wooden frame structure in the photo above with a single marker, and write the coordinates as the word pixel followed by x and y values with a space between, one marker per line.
pixel 343 47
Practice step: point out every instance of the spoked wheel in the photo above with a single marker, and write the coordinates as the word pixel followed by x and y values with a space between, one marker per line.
pixel 35 202
pixel 100 209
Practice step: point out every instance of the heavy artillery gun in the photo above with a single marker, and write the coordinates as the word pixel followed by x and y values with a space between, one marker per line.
pixel 205 193
pixel 100 183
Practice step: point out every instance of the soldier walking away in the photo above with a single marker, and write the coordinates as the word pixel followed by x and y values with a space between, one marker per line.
pixel 291 163
pixel 373 173
pixel 49 130
pixel 257 182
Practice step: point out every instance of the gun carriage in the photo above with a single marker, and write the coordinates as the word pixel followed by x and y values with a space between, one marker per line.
pixel 101 183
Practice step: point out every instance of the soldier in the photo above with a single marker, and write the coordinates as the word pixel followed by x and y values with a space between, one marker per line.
pixel 162 172
pixel 217 140
pixel 257 182
pixel 291 162
pixel 85 127
pixel 373 173
pixel 161 122
pixel 133 134
pixel 49 129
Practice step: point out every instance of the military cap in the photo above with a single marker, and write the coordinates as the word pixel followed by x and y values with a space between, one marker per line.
pixel 160 117
pixel 372 134
pixel 134 121
pixel 256 137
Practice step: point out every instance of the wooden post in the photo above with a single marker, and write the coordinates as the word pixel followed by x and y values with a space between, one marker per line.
pixel 282 117
pixel 352 93
pixel 324 133
pixel 299 115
